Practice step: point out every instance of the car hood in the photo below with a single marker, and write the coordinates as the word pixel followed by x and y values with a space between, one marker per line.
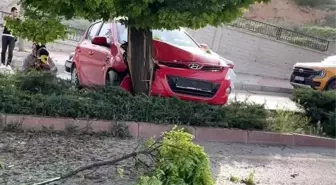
pixel 315 65
pixel 166 52
pixel 223 59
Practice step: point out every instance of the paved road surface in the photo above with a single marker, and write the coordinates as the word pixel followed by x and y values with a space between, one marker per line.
pixel 272 165
pixel 29 158
pixel 272 101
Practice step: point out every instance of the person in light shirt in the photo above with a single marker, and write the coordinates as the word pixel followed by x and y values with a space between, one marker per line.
pixel 8 42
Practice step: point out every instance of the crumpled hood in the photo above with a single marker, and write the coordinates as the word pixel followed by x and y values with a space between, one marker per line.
pixel 315 65
pixel 166 52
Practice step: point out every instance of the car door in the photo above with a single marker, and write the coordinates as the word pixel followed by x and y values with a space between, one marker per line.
pixel 85 58
pixel 101 56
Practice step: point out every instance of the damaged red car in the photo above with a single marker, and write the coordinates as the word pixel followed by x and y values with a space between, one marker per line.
pixel 185 69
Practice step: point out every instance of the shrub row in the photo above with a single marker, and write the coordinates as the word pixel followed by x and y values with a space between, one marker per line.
pixel 44 95
pixel 320 107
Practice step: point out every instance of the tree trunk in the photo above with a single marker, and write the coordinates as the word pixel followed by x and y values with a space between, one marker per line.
pixel 21 41
pixel 139 59
pixel 21 45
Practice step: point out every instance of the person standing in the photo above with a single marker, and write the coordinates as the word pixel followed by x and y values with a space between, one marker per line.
pixel 8 42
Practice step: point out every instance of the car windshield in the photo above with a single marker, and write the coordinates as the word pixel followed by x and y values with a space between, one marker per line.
pixel 330 60
pixel 173 37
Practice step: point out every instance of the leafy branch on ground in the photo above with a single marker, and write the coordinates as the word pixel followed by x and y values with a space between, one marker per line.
pixel 174 157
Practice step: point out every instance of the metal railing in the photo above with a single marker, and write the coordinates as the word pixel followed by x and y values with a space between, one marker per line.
pixel 75 34
pixel 282 34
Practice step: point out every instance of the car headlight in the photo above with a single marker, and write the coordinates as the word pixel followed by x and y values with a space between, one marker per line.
pixel 321 74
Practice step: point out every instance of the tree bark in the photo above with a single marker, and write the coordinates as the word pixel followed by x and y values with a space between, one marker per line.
pixel 139 57
pixel 21 41
pixel 21 45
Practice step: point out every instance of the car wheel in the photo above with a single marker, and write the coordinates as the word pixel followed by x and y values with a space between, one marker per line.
pixel 112 78
pixel 331 85
pixel 74 78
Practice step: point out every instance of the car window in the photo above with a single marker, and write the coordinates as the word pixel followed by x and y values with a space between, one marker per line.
pixel 106 31
pixel 173 37
pixel 93 31
pixel 122 33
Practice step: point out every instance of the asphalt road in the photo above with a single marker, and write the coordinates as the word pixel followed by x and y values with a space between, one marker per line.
pixel 29 158
pixel 272 165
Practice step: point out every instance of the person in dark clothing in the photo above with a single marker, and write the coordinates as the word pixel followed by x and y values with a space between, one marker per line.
pixel 39 60
pixel 8 42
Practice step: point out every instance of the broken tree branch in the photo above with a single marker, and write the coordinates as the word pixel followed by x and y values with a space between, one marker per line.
pixel 98 164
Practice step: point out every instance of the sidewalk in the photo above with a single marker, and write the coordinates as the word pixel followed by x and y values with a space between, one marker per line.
pixel 58 57
pixel 259 83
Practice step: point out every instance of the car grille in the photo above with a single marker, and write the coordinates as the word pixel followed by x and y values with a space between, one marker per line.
pixel 185 66
pixel 176 65
pixel 192 87
pixel 304 72
pixel 211 68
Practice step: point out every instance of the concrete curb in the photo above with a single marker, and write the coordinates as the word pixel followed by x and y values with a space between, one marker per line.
pixel 264 88
pixel 146 130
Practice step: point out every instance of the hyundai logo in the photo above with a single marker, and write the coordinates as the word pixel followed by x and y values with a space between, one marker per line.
pixel 194 66
pixel 301 70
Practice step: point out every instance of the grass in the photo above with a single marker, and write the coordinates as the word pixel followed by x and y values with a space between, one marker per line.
pixel 324 32
pixel 320 4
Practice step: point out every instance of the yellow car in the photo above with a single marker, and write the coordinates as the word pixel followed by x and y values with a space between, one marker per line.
pixel 319 75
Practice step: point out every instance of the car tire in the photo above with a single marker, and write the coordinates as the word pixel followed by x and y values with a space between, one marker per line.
pixel 112 78
pixel 331 85
pixel 74 78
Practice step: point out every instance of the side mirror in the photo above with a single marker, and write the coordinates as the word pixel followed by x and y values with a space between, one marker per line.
pixel 101 41
pixel 204 46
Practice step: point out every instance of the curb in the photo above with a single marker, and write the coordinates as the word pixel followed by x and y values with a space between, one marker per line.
pixel 255 87
pixel 147 130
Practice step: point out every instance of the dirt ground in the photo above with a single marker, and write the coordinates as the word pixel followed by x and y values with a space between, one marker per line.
pixel 29 158
pixel 286 12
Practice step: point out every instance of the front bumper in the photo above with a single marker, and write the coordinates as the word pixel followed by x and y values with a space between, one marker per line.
pixel 305 79
pixel 192 85
pixel 68 66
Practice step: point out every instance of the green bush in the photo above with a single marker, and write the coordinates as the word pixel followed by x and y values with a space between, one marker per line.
pixel 44 95
pixel 287 121
pixel 322 4
pixel 329 126
pixel 316 103
pixel 318 31
pixel 319 106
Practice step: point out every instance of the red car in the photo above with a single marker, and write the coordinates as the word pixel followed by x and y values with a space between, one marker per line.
pixel 185 69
